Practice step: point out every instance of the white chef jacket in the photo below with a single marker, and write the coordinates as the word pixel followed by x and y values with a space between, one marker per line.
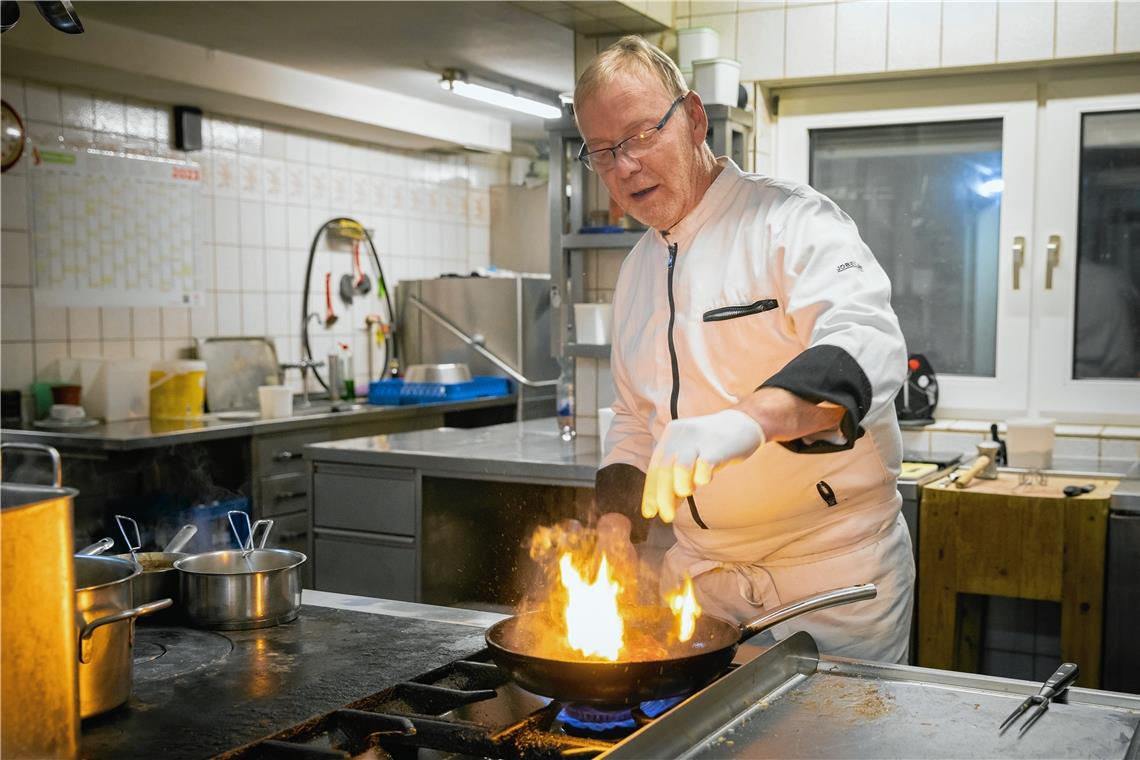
pixel 767 283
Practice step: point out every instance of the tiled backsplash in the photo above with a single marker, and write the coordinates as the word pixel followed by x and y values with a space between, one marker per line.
pixel 1072 442
pixel 266 192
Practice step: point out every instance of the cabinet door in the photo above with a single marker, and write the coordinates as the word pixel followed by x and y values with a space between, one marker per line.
pixel 1086 277
pixel 943 196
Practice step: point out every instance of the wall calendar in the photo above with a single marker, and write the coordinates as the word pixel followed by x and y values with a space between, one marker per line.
pixel 114 229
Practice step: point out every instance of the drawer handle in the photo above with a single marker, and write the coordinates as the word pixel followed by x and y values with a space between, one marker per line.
pixel 289 495
pixel 286 456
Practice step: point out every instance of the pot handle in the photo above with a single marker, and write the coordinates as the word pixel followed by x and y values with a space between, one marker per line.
pixel 832 598
pixel 142 609
pixel 97 548
pixel 50 451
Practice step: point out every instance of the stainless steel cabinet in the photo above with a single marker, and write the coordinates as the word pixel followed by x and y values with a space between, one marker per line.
pixel 366 530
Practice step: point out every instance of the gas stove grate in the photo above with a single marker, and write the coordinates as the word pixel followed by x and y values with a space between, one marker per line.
pixel 465 708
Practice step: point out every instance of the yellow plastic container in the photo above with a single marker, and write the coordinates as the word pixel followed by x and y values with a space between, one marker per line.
pixel 177 389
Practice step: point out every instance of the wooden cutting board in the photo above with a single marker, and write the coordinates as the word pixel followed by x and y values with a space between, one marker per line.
pixel 1005 538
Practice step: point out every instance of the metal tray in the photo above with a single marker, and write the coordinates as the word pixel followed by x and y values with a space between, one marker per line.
pixel 791 703
pixel 235 367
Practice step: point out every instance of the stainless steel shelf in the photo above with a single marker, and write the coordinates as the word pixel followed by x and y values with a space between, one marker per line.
pixel 587 241
pixel 587 350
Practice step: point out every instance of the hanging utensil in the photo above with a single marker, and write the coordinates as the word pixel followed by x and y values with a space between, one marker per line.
pixel 361 284
pixel 346 289
pixel 1057 683
pixel 330 315
pixel 134 546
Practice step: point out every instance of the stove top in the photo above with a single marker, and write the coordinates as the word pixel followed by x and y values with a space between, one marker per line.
pixel 467 708
pixel 198 693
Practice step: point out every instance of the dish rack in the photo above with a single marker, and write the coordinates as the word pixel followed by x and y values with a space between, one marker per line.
pixel 396 392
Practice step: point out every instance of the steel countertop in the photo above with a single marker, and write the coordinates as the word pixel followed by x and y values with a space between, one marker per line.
pixel 130 435
pixel 531 451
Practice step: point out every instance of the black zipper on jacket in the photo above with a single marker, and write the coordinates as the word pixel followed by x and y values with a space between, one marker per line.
pixel 676 371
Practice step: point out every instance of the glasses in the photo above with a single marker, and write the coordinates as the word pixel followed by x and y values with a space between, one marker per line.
pixel 635 147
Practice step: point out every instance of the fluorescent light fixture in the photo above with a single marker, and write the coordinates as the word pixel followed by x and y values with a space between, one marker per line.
pixel 456 81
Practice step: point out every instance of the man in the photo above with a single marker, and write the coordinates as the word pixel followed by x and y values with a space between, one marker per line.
pixel 755 362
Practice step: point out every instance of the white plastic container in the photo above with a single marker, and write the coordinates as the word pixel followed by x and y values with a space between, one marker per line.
pixel 276 401
pixel 695 44
pixel 717 80
pixel 593 323
pixel 1029 442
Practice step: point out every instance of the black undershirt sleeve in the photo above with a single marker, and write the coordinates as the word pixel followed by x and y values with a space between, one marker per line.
pixel 618 488
pixel 827 373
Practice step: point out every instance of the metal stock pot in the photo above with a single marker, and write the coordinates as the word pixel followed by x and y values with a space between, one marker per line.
pixel 106 622
pixel 243 588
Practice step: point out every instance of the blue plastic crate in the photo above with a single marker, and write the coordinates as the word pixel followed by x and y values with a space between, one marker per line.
pixel 398 392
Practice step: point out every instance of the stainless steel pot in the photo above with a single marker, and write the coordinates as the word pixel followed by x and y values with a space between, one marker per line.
pixel 159 579
pixel 105 621
pixel 243 588
pixel 39 674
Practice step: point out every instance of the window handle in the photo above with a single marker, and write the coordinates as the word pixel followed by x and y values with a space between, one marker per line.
pixel 1052 259
pixel 1018 260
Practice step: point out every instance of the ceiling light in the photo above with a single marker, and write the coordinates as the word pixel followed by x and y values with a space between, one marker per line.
pixel 455 80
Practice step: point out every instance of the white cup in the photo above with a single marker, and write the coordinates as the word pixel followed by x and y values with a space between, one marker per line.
pixel 1029 442
pixel 593 323
pixel 276 401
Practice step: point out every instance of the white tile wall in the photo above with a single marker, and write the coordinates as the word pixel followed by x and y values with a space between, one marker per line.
pixel 1025 30
pixel 913 38
pixel 810 48
pixel 969 33
pixel 1085 28
pixel 867 50
pixel 1128 27
pixel 267 191
pixel 761 46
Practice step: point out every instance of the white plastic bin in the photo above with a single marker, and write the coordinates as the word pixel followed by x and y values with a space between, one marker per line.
pixel 717 80
pixel 1029 442
pixel 593 323
pixel 696 43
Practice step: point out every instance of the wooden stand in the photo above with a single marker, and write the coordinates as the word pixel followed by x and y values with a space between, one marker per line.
pixel 1001 538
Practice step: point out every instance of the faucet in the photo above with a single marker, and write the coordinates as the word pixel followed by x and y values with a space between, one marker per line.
pixel 304 365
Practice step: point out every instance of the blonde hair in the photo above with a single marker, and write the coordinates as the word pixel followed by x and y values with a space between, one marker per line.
pixel 630 53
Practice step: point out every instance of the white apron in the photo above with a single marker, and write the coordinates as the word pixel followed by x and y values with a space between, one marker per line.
pixel 876 629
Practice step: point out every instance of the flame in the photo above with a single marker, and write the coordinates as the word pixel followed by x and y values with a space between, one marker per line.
pixel 685 607
pixel 593 623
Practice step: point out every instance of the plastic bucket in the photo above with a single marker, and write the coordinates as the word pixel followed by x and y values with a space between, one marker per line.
pixel 177 389
pixel 696 44
pixel 717 80
pixel 1029 442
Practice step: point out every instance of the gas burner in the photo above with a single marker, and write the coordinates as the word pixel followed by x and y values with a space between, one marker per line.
pixel 614 723
pixel 161 653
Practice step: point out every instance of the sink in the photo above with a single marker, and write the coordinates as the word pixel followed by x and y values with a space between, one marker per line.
pixel 324 407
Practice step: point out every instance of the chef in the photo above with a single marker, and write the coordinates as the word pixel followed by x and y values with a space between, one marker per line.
pixel 755 360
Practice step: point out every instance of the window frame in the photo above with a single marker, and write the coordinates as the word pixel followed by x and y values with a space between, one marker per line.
pixel 1007 393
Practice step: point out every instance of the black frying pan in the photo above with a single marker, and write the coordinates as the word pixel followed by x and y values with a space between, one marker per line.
pixel 687 667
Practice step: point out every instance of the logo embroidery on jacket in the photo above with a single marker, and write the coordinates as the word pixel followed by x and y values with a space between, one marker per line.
pixel 849 265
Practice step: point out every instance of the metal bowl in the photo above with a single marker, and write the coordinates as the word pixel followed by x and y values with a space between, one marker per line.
pixel 437 373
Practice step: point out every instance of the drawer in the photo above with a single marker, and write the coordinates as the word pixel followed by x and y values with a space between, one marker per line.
pixel 292 532
pixel 283 453
pixel 373 499
pixel 281 494
pixel 382 568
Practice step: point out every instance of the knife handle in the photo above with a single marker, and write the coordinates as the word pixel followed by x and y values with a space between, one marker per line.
pixel 1063 678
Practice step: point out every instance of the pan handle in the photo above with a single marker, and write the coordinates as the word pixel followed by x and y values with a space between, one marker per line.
pixel 832 598
pixel 97 548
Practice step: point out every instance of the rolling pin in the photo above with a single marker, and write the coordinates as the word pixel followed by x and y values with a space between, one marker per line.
pixel 984 467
